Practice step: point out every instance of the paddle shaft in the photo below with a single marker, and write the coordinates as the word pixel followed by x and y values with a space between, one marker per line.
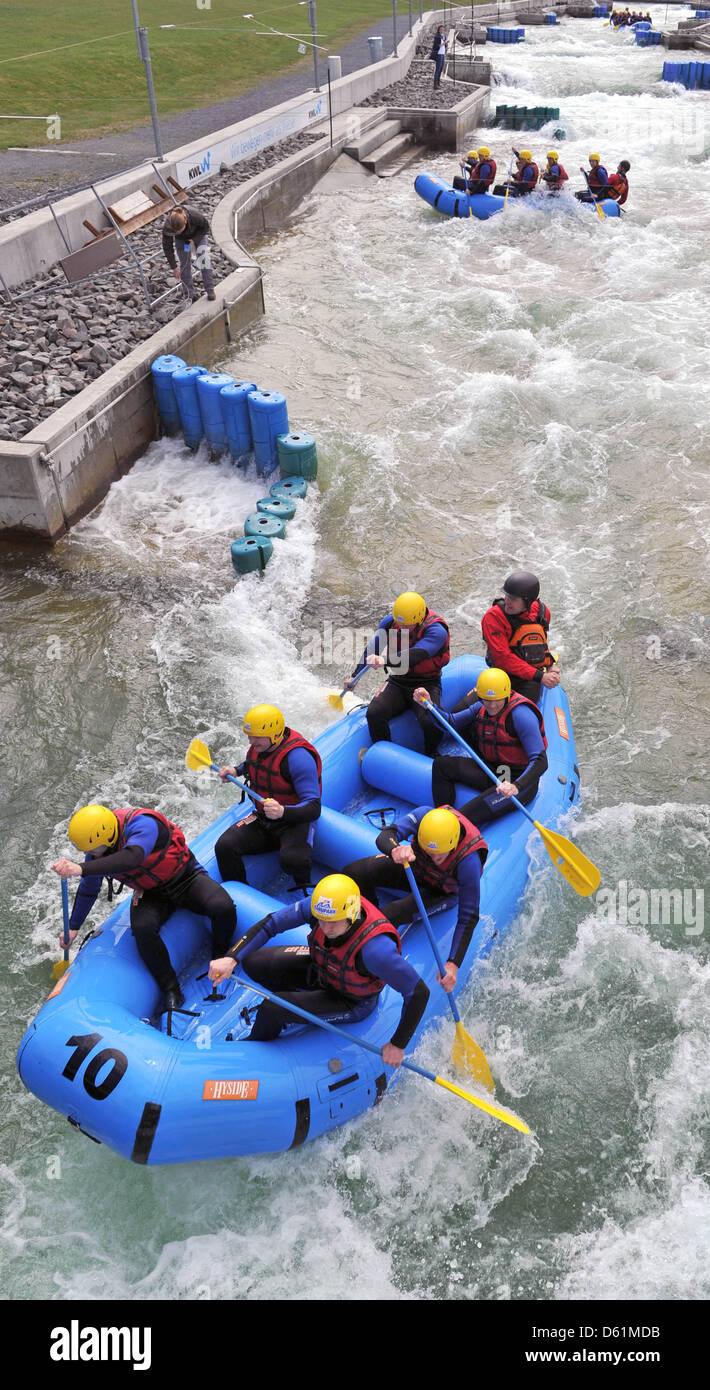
pixel 65 915
pixel 323 1023
pixel 347 688
pixel 467 747
pixel 242 786
pixel 429 931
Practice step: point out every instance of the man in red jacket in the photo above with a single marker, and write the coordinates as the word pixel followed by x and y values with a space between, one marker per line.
pixel 515 632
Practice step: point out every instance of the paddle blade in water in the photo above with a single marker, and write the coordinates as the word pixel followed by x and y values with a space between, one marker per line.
pixel 59 967
pixel 572 864
pixel 507 1116
pixel 468 1057
pixel 198 755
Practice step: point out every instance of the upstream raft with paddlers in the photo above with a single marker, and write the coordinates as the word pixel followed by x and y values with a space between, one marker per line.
pixel 99 1051
pixel 446 199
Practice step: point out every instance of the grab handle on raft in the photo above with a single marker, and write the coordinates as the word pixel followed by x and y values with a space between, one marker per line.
pixel 572 864
pixel 506 1116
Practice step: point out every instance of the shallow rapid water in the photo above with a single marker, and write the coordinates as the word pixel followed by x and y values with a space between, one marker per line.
pixel 528 391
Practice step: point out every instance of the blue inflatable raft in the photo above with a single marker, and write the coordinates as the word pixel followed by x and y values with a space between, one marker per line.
pixel 98 1051
pixel 451 203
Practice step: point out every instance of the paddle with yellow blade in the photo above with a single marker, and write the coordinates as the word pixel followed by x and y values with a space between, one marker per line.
pixel 60 966
pixel 506 1116
pixel 572 864
pixel 466 1054
pixel 337 700
pixel 198 755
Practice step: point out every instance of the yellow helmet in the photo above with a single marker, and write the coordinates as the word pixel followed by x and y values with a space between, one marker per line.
pixel 335 897
pixel 552 154
pixel 484 152
pixel 93 826
pixel 439 831
pixel 595 156
pixel 526 154
pixel 472 154
pixel 409 608
pixel 264 721
pixel 493 684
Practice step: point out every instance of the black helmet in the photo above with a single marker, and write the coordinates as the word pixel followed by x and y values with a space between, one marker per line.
pixel 625 165
pixel 522 584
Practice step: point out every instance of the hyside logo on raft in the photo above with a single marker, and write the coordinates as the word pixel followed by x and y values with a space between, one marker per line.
pixel 643 907
pixel 75 1343
pixel 343 646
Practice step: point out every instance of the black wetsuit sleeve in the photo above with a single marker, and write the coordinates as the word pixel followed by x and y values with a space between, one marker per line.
pixel 112 865
pixel 464 933
pixel 387 840
pixel 411 1016
pixel 532 773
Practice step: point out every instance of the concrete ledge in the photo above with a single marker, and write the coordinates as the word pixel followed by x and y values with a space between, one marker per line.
pixel 66 465
pixel 444 128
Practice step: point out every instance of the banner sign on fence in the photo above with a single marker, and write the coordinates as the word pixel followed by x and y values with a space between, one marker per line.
pixel 249 141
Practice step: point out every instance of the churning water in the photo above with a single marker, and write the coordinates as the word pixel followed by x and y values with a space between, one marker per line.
pixel 529 391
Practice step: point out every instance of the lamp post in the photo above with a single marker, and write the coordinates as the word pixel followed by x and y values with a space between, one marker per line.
pixel 394 27
pixel 312 22
pixel 144 55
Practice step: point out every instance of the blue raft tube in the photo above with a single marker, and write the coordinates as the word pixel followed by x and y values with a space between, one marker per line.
pixel 98 1051
pixel 447 200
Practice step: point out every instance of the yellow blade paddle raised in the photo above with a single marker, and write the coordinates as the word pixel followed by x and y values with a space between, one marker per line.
pixel 572 864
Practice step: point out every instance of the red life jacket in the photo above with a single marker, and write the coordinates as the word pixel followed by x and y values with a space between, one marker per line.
pixel 264 769
pixel 337 963
pixel 165 861
pixel 443 876
pixel 595 178
pixel 527 183
pixel 495 738
pixel 620 185
pixel 556 180
pixel 528 633
pixel 488 178
pixel 431 665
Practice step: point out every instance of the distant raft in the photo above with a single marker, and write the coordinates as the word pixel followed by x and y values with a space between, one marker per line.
pixel 451 203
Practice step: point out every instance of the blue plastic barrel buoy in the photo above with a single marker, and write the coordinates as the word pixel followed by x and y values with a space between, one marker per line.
pixel 269 418
pixel 280 507
pixel 289 487
pixel 297 454
pixel 208 389
pixel 251 553
pixel 521 35
pixel 706 75
pixel 235 413
pixel 257 524
pixel 185 388
pixel 162 369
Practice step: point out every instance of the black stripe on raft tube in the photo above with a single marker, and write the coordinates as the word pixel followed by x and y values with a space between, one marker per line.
pixel 303 1123
pixel 145 1133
